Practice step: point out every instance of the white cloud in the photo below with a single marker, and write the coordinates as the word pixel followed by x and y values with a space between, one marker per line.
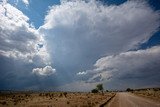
pixel 79 33
pixel 18 39
pixel 47 70
pixel 82 73
pixel 142 64
pixel 26 2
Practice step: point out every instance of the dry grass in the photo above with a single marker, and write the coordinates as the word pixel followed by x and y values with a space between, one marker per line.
pixel 53 99
pixel 152 93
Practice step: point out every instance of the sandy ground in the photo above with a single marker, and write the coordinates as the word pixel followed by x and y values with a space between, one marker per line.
pixel 125 99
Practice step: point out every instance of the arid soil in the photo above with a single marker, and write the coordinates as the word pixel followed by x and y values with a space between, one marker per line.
pixel 53 99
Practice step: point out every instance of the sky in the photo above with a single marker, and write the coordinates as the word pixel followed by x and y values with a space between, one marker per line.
pixel 73 45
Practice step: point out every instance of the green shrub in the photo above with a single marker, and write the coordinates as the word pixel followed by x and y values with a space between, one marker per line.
pixel 94 91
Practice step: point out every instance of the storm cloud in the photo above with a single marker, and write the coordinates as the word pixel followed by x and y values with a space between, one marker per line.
pixel 81 43
pixel 131 64
pixel 80 33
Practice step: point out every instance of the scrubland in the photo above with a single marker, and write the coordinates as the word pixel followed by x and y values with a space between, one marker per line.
pixel 152 93
pixel 53 99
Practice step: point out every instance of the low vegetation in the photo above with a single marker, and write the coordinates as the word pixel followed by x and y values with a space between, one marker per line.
pixel 53 99
pixel 94 91
pixel 152 93
pixel 99 88
pixel 129 89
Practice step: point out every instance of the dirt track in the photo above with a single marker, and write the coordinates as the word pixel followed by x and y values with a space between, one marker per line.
pixel 130 100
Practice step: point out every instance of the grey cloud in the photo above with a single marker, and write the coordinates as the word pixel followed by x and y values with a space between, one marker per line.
pixel 141 66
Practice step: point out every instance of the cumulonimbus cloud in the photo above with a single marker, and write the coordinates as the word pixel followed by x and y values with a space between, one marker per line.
pixel 79 32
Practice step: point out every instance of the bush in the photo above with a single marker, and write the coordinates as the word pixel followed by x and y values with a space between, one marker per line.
pixel 40 94
pixel 94 91
pixel 68 102
pixel 128 89
pixel 65 94
pixel 60 95
pixel 27 95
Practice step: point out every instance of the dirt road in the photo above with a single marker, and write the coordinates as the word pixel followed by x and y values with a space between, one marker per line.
pixel 130 100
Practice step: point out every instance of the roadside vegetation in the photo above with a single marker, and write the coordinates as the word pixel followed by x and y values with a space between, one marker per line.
pixel 99 88
pixel 54 99
pixel 152 93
